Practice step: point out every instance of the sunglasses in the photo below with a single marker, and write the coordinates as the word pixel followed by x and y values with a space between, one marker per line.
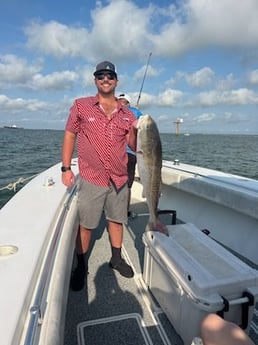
pixel 101 76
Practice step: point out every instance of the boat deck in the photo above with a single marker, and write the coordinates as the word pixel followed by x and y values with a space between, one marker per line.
pixel 114 310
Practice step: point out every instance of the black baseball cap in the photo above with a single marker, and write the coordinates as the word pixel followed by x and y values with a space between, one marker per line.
pixel 105 66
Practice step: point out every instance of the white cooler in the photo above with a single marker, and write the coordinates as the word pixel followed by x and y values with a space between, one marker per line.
pixel 191 275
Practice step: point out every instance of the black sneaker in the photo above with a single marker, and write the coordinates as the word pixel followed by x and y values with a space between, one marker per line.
pixel 123 268
pixel 78 278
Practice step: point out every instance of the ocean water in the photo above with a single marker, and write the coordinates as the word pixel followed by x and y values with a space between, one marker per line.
pixel 25 153
pixel 235 154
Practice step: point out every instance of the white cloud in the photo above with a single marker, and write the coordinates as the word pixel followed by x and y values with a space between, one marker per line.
pixel 15 70
pixel 253 77
pixel 169 98
pixel 150 72
pixel 55 81
pixel 124 30
pixel 240 96
pixel 200 78
pixel 205 117
pixel 202 23
pixel 57 39
pixel 19 105
pixel 117 29
pixel 121 29
pixel 227 83
pixel 188 34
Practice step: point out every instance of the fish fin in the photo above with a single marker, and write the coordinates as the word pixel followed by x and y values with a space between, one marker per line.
pixel 158 226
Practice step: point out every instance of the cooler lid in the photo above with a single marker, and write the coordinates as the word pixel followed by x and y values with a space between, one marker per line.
pixel 202 266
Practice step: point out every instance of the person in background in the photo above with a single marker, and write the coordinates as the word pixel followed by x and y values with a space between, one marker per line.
pixel 125 99
pixel 102 127
pixel 217 331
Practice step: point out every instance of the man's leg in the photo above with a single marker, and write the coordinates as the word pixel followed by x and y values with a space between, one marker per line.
pixel 90 206
pixel 116 238
pixel 116 234
pixel 82 245
pixel 129 213
pixel 83 240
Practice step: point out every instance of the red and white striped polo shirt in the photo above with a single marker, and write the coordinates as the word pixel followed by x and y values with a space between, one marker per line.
pixel 101 143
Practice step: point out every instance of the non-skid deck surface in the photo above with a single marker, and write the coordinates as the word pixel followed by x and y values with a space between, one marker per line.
pixel 114 310
pixel 118 328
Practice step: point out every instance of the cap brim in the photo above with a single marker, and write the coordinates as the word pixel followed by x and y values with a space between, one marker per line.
pixel 104 70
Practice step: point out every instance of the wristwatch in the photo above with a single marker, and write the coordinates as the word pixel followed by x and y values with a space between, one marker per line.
pixel 64 169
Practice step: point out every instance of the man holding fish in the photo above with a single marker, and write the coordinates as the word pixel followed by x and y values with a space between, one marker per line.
pixel 102 127
pixel 149 162
pixel 131 156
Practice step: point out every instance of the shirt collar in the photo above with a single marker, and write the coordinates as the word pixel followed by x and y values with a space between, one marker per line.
pixel 95 101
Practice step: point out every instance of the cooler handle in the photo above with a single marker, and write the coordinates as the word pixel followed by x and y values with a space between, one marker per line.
pixel 247 300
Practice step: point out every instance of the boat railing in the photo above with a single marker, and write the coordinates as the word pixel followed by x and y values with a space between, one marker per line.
pixel 36 310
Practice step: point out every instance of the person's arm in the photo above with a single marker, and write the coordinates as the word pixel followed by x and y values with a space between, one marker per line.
pixel 68 177
pixel 132 136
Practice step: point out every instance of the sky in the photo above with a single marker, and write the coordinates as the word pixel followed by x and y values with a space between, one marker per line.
pixel 191 61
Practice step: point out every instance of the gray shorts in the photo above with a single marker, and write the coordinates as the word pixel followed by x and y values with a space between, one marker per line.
pixel 92 200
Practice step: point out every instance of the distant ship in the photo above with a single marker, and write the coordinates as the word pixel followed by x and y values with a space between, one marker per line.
pixel 13 127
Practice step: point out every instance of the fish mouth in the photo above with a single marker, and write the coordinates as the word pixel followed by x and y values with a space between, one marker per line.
pixel 143 119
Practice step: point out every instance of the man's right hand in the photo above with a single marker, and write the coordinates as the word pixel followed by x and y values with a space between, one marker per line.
pixel 68 178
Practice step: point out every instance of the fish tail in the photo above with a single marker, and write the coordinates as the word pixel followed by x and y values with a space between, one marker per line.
pixel 157 226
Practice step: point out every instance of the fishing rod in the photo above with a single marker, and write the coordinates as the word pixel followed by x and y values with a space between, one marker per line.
pixel 147 65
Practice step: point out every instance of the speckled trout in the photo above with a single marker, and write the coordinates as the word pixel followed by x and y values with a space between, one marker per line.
pixel 149 163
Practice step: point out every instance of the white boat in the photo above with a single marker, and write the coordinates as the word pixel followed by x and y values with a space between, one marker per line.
pixel 37 238
pixel 13 127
